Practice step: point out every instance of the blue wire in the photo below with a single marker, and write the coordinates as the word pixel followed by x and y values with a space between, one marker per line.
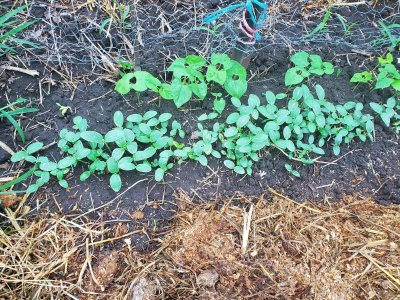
pixel 250 8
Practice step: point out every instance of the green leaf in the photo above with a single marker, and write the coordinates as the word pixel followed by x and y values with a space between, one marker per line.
pixel 383 83
pixel 236 102
pixel 112 165
pixel 134 118
pixel 181 93
pixel 85 175
pixel 236 82
pixel 32 188
pixel 362 77
pixel 242 121
pixel 114 135
pixel 145 154
pixel 271 98
pixel 292 77
pixel 300 59
pixel 164 117
pixel 159 174
pixel 386 117
pixel 328 68
pixel 149 114
pixel 63 183
pixel 219 105
pixel 92 137
pixel 19 179
pixel 132 147
pixel 239 170
pixel 202 160
pixel 18 156
pixel 287 133
pixel 396 85
pixel 378 108
pixel 166 92
pixel 115 182
pixel 48 166
pixel 126 164
pixel 229 164
pixel 117 153
pixel 34 147
pixel 145 128
pixel 231 132
pixel 144 168
pixel 66 162
pixel 254 101
pixel 391 102
pixel 118 119
pixel 213 74
pixel 232 118
pixel 195 61
pixel 320 92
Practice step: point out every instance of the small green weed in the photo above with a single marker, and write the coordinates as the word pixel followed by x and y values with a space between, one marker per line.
pixel 11 110
pixel 9 28
pixel 188 79
pixel 305 66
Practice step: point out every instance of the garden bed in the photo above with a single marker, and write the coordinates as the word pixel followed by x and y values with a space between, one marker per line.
pixel 75 71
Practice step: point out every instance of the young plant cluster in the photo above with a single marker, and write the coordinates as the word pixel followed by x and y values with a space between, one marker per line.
pixel 305 65
pixel 300 124
pixel 139 142
pixel 387 76
pixel 191 76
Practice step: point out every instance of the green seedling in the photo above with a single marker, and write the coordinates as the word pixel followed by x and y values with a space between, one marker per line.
pixel 389 35
pixel 10 110
pixel 305 66
pixel 290 169
pixel 347 28
pixel 321 25
pixel 386 76
pixel 188 79
pixel 64 109
pixel 9 28
pixel 214 30
pixel 387 111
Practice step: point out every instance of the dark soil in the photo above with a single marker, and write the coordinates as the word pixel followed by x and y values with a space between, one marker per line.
pixel 369 169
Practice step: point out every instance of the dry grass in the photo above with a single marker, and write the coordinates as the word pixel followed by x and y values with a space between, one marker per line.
pixel 276 250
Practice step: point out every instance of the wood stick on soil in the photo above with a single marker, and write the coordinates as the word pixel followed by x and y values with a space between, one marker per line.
pixel 25 71
pixel 6 148
pixel 246 228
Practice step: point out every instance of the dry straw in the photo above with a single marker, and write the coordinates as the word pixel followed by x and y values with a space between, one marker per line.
pixel 251 250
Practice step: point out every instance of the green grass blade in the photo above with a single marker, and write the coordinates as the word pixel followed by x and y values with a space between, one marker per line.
pixel 16 102
pixel 20 111
pixel 321 25
pixel 12 192
pixel 25 42
pixel 17 180
pixel 15 124
pixel 12 14
pixel 6 49
pixel 16 30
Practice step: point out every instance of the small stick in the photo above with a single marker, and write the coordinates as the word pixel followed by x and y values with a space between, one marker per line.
pixel 6 148
pixel 246 229
pixel 25 71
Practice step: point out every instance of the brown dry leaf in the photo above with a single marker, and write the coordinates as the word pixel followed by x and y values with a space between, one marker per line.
pixel 137 215
pixel 9 200
pixel 104 272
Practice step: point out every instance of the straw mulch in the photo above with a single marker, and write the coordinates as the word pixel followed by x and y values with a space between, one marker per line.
pixel 265 250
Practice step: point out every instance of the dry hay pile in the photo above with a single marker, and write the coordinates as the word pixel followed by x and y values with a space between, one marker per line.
pixel 278 250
